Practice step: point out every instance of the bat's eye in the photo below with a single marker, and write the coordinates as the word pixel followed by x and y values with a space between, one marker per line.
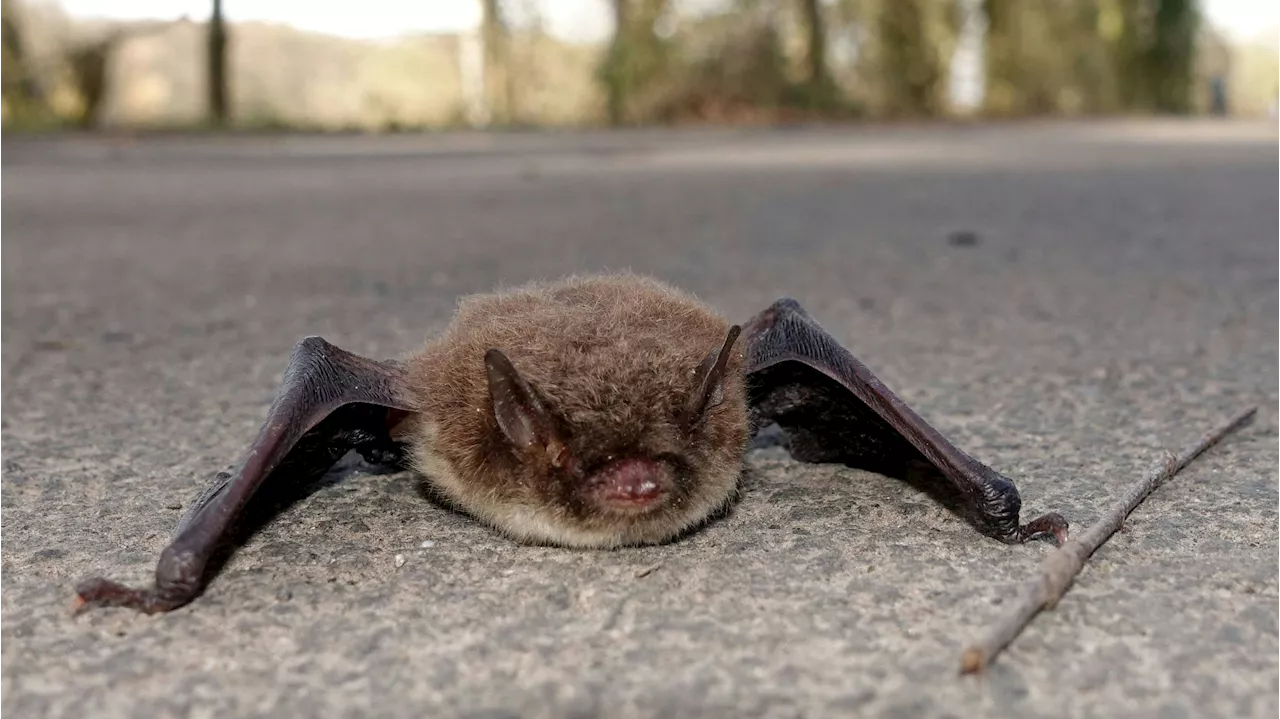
pixel 561 457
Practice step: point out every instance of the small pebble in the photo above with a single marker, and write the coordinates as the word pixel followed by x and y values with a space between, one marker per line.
pixel 284 594
pixel 964 238
pixel 399 561
pixel 428 544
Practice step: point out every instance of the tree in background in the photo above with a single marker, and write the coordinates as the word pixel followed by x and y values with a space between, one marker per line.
pixel 1154 45
pixel 217 70
pixel 725 61
pixel 24 99
pixel 637 56
pixel 816 51
pixel 500 76
pixel 90 62
pixel 1046 58
pixel 911 46
pixel 1090 56
pixel 1170 57
pixel 611 68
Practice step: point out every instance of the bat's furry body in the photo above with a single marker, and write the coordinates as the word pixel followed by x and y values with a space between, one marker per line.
pixel 595 411
pixel 615 357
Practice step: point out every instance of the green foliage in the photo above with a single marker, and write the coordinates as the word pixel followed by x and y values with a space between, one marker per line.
pixel 1154 49
pixel 1090 56
pixel 1168 60
pixel 731 67
pixel 1047 58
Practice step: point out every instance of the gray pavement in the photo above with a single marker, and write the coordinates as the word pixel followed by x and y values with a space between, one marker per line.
pixel 1119 299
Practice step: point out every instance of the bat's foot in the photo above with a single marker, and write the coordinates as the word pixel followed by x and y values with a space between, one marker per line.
pixel 384 452
pixel 1052 524
pixel 100 592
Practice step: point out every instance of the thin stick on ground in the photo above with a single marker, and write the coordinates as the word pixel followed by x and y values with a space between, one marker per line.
pixel 1063 564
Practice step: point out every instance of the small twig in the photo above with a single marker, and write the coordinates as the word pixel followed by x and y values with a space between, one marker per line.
pixel 1063 564
pixel 646 571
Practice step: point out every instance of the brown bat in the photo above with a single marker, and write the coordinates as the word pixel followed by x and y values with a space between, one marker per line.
pixel 598 411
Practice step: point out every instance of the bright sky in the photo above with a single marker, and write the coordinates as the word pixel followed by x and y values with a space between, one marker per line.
pixel 569 19
pixel 572 19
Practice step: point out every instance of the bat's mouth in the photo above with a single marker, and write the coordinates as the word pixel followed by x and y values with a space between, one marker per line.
pixel 631 486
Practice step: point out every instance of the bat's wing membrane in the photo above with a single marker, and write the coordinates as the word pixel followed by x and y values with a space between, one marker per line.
pixel 331 401
pixel 833 409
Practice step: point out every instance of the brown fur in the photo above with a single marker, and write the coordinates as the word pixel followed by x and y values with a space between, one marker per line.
pixel 614 358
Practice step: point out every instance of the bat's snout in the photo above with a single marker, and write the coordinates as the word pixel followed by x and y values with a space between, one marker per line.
pixel 631 485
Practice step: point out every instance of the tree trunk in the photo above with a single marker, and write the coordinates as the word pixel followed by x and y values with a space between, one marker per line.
pixel 13 51
pixel 499 76
pixel 1171 59
pixel 89 65
pixel 217 66
pixel 817 69
pixel 817 31
pixel 911 68
pixel 615 75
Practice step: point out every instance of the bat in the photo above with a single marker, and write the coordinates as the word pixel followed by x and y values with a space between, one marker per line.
pixel 595 411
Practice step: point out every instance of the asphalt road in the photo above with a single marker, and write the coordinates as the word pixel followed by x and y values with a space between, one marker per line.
pixel 1064 301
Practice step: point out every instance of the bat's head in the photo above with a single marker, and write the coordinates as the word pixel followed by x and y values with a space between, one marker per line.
pixel 594 412
pixel 633 461
pixel 603 414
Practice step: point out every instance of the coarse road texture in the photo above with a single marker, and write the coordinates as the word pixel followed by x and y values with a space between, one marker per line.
pixel 1064 301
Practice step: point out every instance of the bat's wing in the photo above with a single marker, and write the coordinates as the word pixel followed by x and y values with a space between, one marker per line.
pixel 833 409
pixel 331 402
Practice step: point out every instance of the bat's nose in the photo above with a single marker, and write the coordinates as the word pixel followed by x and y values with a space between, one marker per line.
pixel 631 485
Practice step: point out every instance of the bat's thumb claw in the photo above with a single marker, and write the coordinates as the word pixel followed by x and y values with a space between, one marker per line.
pixel 1053 524
pixel 100 592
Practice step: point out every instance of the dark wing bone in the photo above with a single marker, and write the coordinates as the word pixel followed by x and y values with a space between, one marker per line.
pixel 331 402
pixel 833 409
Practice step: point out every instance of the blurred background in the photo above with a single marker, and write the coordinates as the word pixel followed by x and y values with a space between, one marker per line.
pixel 390 65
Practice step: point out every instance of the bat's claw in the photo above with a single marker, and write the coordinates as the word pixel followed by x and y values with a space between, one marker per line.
pixel 1052 524
pixel 100 592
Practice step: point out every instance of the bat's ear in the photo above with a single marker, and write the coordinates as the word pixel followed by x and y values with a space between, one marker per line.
pixel 708 381
pixel 520 413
